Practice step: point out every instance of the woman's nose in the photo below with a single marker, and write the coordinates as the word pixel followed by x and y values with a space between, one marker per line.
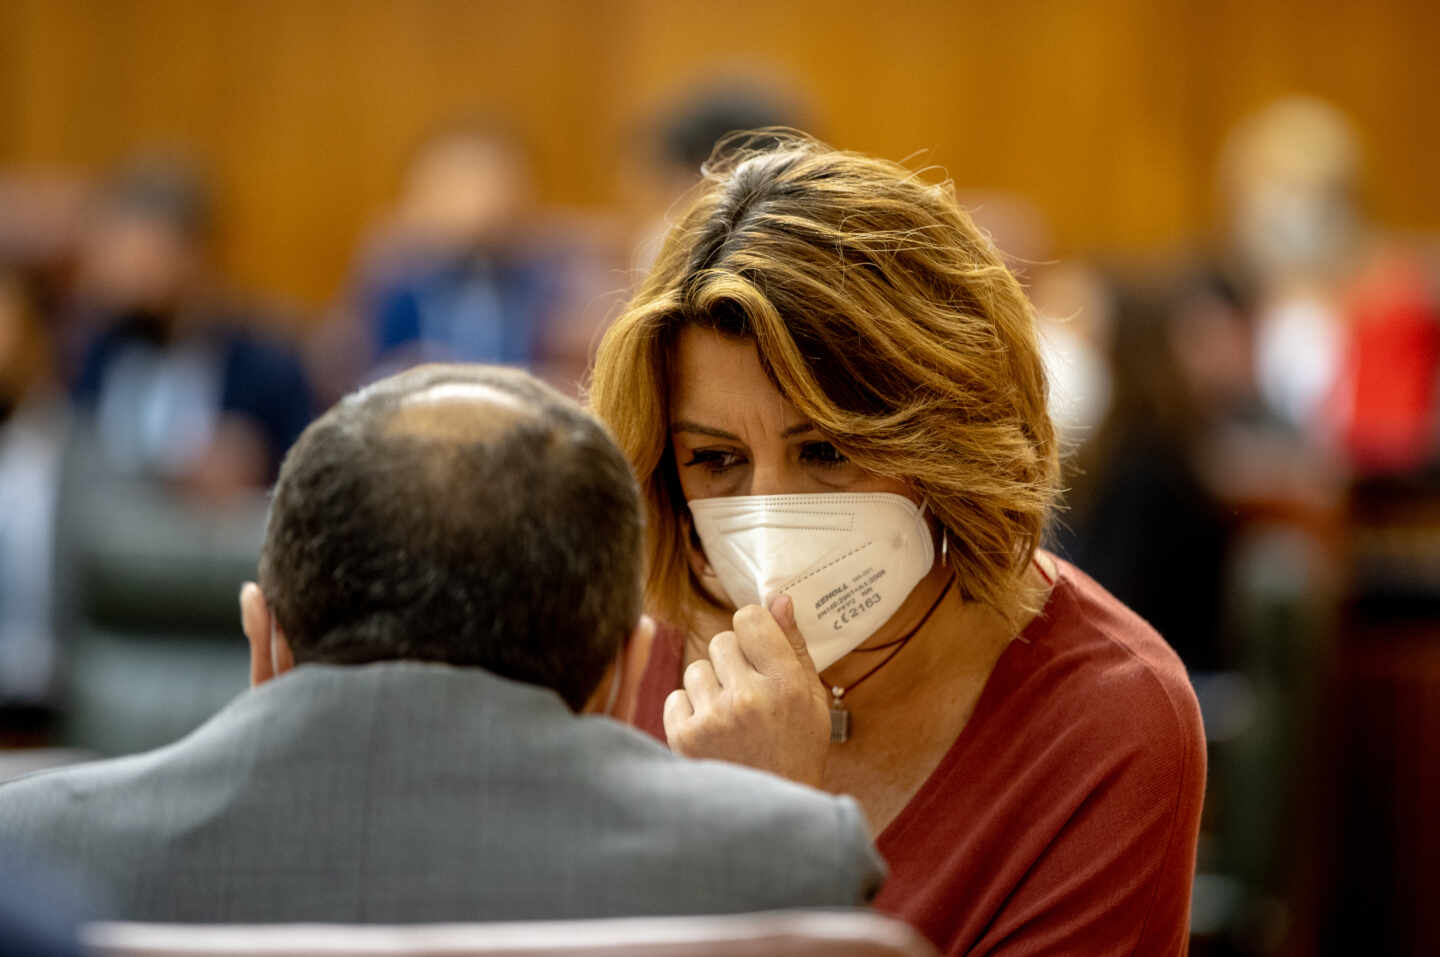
pixel 767 479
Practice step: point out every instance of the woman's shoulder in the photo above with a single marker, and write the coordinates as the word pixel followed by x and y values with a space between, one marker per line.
pixel 1088 663
pixel 1084 756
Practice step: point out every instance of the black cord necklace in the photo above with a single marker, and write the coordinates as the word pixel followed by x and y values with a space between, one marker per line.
pixel 839 714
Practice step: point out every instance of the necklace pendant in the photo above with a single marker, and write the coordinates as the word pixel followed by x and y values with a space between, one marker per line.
pixel 839 720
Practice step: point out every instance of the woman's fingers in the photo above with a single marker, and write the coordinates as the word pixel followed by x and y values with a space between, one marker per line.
pixel 782 609
pixel 774 652
pixel 730 664
pixel 701 685
pixel 676 712
pixel 771 715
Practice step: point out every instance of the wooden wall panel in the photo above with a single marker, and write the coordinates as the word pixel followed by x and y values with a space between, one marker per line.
pixel 1108 114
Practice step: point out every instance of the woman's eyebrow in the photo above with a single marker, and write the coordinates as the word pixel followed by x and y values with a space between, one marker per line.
pixel 685 425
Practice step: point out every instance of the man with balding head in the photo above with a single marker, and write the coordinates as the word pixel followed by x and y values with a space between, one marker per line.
pixel 451 573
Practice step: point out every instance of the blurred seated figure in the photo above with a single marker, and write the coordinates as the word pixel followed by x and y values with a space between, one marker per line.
pixel 467 267
pixel 1289 177
pixel 1340 616
pixel 1347 350
pixel 33 422
pixel 451 571
pixel 454 274
pixel 185 408
pixel 182 385
pixel 1143 517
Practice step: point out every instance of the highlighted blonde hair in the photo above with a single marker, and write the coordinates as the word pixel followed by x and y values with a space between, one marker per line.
pixel 887 318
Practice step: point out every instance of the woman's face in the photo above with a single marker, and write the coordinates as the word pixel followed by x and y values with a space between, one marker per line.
pixel 735 434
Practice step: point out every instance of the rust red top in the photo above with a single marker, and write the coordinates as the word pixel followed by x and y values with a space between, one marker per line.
pixel 1064 817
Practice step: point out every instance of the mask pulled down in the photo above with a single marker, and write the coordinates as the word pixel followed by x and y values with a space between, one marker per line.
pixel 847 561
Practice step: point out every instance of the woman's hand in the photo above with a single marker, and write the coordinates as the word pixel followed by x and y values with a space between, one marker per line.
pixel 757 700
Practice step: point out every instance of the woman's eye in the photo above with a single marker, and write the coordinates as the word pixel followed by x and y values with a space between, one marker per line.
pixel 714 461
pixel 822 454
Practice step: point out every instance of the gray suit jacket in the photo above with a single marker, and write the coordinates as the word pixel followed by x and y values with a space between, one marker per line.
pixel 408 792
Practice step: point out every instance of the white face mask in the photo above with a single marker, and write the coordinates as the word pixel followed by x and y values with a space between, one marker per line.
pixel 848 562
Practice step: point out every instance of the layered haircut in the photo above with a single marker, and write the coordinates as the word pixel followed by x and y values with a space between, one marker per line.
pixel 406 527
pixel 880 310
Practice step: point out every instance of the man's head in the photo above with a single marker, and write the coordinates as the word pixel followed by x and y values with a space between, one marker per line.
pixel 143 249
pixel 465 515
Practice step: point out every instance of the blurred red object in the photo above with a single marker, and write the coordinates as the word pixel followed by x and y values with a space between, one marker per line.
pixel 1386 402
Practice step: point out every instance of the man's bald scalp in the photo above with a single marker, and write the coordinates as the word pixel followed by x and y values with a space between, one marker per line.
pixel 465 514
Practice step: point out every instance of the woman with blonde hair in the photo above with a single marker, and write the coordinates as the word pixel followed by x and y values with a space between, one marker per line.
pixel 830 389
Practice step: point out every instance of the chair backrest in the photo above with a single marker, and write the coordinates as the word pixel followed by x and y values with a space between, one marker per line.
pixel 22 761
pixel 772 934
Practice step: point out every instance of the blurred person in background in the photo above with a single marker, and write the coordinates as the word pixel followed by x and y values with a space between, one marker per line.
pixel 455 272
pixel 186 404
pixel 675 143
pixel 1339 577
pixel 182 383
pixel 1348 330
pixel 34 418
pixel 1289 178
pixel 1142 516
pixel 467 267
pixel 1074 309
pixel 1346 346
pixel 831 389
pixel 451 573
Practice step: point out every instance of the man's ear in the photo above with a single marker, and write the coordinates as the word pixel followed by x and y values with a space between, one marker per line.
pixel 619 689
pixel 269 651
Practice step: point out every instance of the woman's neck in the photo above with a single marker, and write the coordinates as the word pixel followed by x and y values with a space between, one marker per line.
pixel 938 639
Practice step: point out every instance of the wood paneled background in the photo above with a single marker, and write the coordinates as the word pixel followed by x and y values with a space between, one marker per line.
pixel 1108 114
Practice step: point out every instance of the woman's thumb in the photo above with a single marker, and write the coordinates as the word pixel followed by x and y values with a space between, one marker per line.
pixel 783 610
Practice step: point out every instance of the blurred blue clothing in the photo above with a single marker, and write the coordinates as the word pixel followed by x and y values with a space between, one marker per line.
pixel 32 438
pixel 473 309
pixel 162 396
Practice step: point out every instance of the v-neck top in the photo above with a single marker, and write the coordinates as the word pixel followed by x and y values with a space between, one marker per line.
pixel 1064 817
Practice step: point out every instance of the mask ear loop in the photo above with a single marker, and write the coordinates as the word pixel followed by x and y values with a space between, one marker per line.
pixel 693 538
pixel 704 576
pixel 944 533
